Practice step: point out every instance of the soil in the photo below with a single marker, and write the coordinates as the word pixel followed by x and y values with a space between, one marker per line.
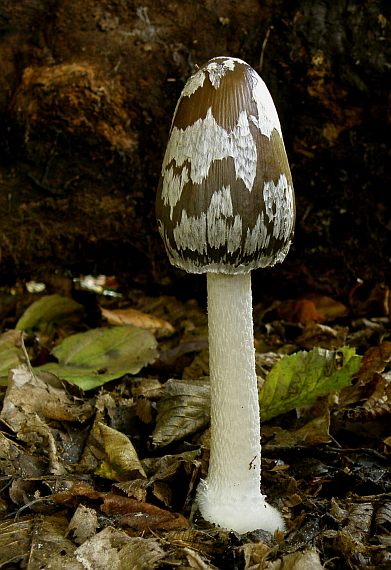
pixel 87 92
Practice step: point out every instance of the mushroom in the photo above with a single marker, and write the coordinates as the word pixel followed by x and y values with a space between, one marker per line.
pixel 225 205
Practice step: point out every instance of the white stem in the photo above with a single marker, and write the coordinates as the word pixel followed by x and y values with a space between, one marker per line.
pixel 230 496
pixel 233 383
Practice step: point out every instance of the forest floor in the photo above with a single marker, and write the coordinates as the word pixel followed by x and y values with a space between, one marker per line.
pixel 104 431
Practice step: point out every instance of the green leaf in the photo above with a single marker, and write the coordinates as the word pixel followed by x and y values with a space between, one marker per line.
pixel 95 357
pixel 299 379
pixel 47 312
pixel 11 353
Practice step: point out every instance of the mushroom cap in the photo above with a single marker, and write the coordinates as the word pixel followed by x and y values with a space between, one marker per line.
pixel 225 201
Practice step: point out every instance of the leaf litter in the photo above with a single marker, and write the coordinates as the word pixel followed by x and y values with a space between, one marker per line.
pixel 105 435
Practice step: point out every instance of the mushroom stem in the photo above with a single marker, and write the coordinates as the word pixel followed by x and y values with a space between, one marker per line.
pixel 231 496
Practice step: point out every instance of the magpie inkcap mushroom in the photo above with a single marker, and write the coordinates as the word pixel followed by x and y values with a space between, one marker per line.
pixel 225 205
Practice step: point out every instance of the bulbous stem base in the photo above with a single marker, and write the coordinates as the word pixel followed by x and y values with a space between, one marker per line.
pixel 241 514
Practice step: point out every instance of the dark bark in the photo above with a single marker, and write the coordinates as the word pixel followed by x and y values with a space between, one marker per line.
pixel 87 92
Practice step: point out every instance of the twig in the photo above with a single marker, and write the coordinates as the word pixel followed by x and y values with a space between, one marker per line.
pixel 264 43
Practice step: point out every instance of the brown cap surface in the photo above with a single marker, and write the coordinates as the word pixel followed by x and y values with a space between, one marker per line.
pixel 225 201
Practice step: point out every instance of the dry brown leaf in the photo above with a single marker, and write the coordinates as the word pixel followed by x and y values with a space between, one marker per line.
pixel 83 524
pixel 298 311
pixel 147 521
pixel 372 392
pixel 163 492
pixel 136 489
pixel 169 357
pixel 145 410
pixel 113 548
pixel 375 360
pixel 75 493
pixel 199 366
pixel 312 307
pixel 167 471
pixel 150 388
pixel 121 462
pixel 40 393
pixel 315 334
pixel 313 433
pixel 255 555
pixel 14 461
pixel 144 392
pixel 194 539
pixel 196 561
pixel 30 401
pixel 183 409
pixel 378 403
pixel 307 560
pixel 130 316
pixel 15 541
pixel 142 516
pixel 49 547
pixel 349 545
pixel 383 522
pixel 359 520
pixel 387 441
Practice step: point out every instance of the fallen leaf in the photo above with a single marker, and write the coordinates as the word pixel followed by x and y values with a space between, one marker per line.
pixel 298 311
pixel 255 554
pixel 169 357
pixel 163 492
pixel 199 367
pixel 299 379
pixel 29 402
pixel 15 539
pixel 77 491
pixel 374 360
pixel 48 312
pixel 49 546
pixel 11 353
pixel 307 560
pixel 113 548
pixel 122 462
pixel 165 468
pixel 312 307
pixel 313 433
pixel 145 391
pixel 42 394
pixel 152 521
pixel 377 403
pixel 349 545
pixel 136 489
pixel 383 522
pixel 196 540
pixel 159 327
pixel 150 388
pixel 327 308
pixel 15 460
pixel 359 520
pixel 142 516
pixel 183 410
pixel 323 336
pixel 173 472
pixel 195 560
pixel 97 356
pixel 83 524
pixel 365 298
